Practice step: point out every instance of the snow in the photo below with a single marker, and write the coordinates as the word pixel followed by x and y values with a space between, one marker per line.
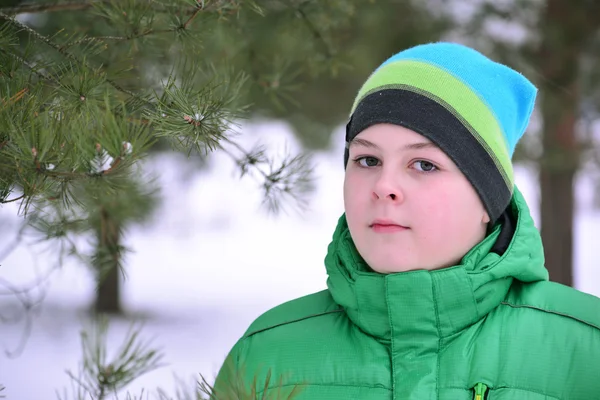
pixel 208 264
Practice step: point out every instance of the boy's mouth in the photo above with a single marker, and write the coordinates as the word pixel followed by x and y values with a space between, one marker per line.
pixel 386 226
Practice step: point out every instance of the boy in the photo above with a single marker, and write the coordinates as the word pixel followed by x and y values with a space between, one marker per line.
pixel 436 281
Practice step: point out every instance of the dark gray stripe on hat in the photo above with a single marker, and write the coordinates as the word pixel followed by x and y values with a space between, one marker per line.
pixel 432 120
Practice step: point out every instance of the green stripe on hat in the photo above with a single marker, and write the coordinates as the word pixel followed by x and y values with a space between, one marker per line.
pixel 464 103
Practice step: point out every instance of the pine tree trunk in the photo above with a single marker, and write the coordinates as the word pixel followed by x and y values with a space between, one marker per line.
pixel 563 38
pixel 108 294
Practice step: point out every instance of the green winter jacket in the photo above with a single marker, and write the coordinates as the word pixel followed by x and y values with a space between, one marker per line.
pixel 491 328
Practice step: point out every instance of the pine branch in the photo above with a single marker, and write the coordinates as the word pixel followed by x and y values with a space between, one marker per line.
pixel 315 32
pixel 246 156
pixel 191 18
pixel 76 175
pixel 276 181
pixel 292 178
pixel 97 375
pixel 68 6
pixel 51 7
pixel 116 38
pixel 40 169
pixel 196 10
pixel 62 51
pixel 32 68
pixel 18 96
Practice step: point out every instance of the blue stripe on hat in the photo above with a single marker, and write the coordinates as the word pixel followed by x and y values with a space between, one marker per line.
pixel 508 94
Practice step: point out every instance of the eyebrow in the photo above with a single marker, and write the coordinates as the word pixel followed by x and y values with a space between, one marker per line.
pixel 410 146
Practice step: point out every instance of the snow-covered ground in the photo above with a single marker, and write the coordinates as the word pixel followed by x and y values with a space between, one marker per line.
pixel 209 263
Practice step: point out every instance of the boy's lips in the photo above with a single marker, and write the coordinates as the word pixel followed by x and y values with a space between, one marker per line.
pixel 386 226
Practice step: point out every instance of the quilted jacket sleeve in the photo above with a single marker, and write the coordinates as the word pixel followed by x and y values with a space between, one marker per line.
pixel 230 381
pixel 243 377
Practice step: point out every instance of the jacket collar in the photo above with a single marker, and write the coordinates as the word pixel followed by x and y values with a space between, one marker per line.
pixel 443 301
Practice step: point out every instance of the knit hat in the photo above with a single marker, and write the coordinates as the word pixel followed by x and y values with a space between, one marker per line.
pixel 473 108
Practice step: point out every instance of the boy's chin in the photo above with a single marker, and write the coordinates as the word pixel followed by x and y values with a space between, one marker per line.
pixel 392 268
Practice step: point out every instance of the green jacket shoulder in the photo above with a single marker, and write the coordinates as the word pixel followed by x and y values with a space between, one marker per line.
pixel 310 306
pixel 557 299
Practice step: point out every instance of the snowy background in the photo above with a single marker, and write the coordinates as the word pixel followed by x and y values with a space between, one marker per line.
pixel 209 263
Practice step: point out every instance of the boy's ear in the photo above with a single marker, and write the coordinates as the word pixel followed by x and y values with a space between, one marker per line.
pixel 486 218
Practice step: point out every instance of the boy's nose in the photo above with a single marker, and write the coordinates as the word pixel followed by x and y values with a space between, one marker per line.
pixel 388 187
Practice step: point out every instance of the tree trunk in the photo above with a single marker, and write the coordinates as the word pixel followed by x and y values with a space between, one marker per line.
pixel 557 223
pixel 108 266
pixel 563 38
pixel 108 295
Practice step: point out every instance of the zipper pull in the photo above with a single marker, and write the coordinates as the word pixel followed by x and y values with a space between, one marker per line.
pixel 480 390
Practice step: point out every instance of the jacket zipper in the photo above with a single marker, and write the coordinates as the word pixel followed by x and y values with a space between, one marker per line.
pixel 480 390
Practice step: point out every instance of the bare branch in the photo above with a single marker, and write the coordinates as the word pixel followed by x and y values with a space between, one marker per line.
pixel 10 248
pixel 32 294
pixel 11 289
pixel 12 200
pixel 27 332
pixel 28 303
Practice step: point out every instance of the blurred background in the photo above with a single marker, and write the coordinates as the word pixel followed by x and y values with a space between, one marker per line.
pixel 236 188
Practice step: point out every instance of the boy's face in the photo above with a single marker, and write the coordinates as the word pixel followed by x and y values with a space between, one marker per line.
pixel 407 204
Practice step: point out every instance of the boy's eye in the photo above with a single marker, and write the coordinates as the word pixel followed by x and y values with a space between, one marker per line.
pixel 367 161
pixel 424 166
